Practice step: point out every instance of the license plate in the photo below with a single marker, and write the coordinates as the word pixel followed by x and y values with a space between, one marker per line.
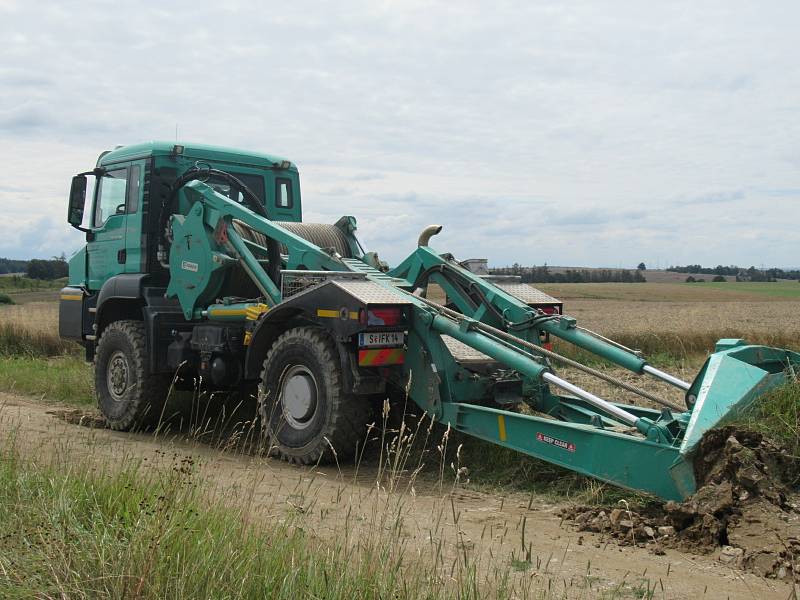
pixel 385 339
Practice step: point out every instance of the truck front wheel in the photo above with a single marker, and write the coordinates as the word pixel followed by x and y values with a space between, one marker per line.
pixel 306 414
pixel 127 394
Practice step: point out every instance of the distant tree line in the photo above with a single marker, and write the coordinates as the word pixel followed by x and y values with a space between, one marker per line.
pixel 741 274
pixel 48 269
pixel 543 274
pixel 717 279
pixel 9 265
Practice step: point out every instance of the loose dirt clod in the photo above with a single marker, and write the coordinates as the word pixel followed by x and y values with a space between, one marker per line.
pixel 79 417
pixel 746 508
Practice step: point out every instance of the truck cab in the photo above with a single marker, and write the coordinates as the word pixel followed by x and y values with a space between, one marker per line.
pixel 120 214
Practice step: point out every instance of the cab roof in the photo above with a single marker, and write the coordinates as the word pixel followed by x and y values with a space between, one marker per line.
pixel 189 150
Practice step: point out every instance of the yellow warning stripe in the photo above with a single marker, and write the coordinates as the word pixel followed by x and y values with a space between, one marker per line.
pixel 336 314
pixel 255 310
pixel 501 427
pixel 71 297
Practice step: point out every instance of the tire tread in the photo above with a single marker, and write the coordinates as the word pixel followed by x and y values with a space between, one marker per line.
pixel 145 407
pixel 349 414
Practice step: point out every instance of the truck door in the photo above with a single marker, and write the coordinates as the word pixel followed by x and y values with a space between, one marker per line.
pixel 135 252
pixel 106 251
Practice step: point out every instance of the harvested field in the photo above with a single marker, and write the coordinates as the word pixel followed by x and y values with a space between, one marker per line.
pixel 683 328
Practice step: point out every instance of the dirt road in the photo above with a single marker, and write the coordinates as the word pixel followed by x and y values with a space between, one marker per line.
pixel 335 502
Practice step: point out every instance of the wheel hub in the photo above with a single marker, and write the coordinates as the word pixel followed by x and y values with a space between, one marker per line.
pixel 117 375
pixel 299 396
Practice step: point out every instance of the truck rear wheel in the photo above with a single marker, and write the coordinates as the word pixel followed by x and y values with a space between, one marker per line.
pixel 127 394
pixel 306 413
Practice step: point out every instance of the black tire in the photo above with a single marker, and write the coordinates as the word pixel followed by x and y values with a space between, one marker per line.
pixel 305 360
pixel 128 395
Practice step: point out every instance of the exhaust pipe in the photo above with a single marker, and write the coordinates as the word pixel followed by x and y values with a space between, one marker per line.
pixel 427 234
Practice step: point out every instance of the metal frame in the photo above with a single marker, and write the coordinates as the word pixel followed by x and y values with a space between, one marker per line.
pixel 629 446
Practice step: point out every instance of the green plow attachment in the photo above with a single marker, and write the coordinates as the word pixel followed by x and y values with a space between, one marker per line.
pixel 634 447
pixel 731 380
pixel 658 462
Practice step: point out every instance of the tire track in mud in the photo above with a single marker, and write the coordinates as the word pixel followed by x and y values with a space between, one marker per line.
pixel 431 521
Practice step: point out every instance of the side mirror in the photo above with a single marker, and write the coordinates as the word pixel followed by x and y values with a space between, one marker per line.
pixel 77 199
pixel 120 209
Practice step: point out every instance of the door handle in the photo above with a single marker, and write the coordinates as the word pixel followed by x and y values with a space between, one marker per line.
pixel 122 255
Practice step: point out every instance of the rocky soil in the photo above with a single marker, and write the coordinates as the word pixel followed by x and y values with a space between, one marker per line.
pixel 746 511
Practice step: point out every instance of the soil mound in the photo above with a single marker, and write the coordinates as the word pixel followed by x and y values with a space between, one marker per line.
pixel 746 509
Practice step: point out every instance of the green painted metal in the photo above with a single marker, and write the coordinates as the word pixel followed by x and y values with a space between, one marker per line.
pixel 197 264
pixel 730 381
pixel 77 268
pixel 624 460
pixel 191 151
pixel 268 287
pixel 517 317
pixel 205 245
pixel 511 357
pixel 655 456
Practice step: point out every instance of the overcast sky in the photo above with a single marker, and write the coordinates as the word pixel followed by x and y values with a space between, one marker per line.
pixel 596 134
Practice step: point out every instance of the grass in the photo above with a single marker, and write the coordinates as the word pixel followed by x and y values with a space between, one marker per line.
pixel 65 379
pixel 31 330
pixel 88 525
pixel 777 416
pixel 19 341
pixel 708 291
pixel 69 532
pixel 82 526
pixel 20 283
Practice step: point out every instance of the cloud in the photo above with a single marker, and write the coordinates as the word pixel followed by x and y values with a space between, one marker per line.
pixel 367 177
pixel 24 119
pixel 583 133
pixel 712 198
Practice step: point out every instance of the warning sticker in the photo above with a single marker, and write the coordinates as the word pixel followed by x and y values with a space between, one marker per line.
pixel 568 446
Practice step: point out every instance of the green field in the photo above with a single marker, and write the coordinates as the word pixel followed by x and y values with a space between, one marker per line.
pixel 22 289
pixel 732 291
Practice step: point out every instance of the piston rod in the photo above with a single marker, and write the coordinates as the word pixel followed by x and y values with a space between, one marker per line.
pixel 679 383
pixel 523 362
pixel 618 413
pixel 554 356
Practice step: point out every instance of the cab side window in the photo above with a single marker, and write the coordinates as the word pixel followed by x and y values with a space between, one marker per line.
pixel 133 190
pixel 111 195
pixel 283 193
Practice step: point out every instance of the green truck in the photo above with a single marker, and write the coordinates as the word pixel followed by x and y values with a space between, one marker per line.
pixel 197 262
